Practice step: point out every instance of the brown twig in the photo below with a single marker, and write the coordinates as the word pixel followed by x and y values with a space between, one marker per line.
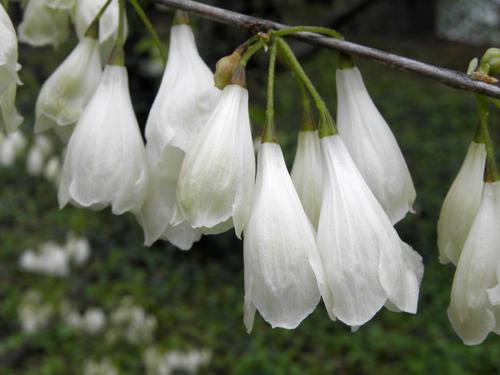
pixel 253 25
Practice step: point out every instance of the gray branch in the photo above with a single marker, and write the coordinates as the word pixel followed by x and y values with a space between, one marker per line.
pixel 253 25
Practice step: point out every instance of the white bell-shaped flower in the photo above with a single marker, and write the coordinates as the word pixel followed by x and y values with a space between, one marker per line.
pixel 186 98
pixel 43 25
pixel 10 119
pixel 461 204
pixel 159 203
pixel 65 94
pixel 85 12
pixel 366 265
pixel 307 174
pixel 8 53
pixel 279 242
pixel 105 162
pixel 474 309
pixel 372 145
pixel 216 181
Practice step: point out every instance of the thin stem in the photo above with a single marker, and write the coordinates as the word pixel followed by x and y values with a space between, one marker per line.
pixel 252 50
pixel 491 174
pixel 149 27
pixel 309 29
pixel 269 134
pixel 308 123
pixel 93 29
pixel 326 123
pixel 6 4
pixel 117 56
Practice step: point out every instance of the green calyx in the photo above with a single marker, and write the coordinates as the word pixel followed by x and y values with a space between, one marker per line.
pixel 239 77
pixel 93 29
pixel 345 61
pixel 491 173
pixel 181 18
pixel 326 126
pixel 225 69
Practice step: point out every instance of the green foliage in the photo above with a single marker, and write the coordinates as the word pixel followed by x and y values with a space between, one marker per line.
pixel 197 296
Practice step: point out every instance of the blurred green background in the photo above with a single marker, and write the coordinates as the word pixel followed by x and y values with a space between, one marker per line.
pixel 196 297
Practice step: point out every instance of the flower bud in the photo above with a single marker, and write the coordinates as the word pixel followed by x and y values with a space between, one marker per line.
pixel 225 68
pixel 492 58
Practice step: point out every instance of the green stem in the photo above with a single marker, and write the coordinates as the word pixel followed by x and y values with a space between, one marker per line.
pixel 93 29
pixel 149 27
pixel 269 134
pixel 491 174
pixel 117 56
pixel 6 5
pixel 309 29
pixel 326 123
pixel 252 50
pixel 308 123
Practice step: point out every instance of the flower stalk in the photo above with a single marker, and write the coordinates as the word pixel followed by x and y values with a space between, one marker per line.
pixel 269 134
pixel 93 29
pixel 491 173
pixel 326 123
pixel 150 29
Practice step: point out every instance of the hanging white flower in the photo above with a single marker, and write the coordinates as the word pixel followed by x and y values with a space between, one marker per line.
pixel 8 53
pixel 159 204
pixel 366 265
pixel 278 243
pixel 85 12
pixel 67 91
pixel 372 145
pixel 307 174
pixel 474 309
pixel 43 25
pixel 184 102
pixel 461 204
pixel 10 119
pixel 105 162
pixel 216 181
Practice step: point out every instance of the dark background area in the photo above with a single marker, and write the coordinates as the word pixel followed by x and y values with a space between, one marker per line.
pixel 197 296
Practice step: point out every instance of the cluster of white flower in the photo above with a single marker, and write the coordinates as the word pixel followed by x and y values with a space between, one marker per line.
pixel 92 321
pixel 33 312
pixel 172 362
pixel 131 322
pixel 324 232
pixel 12 146
pixel 197 174
pixel 54 259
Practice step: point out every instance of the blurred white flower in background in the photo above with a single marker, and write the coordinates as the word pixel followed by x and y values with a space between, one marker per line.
pixel 12 146
pixel 103 367
pixel 53 259
pixel 131 322
pixel 172 362
pixel 34 313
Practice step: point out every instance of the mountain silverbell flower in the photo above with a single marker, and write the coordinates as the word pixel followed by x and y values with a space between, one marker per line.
pixel 10 119
pixel 65 94
pixel 217 177
pixel 307 172
pixel 43 25
pixel 474 309
pixel 105 161
pixel 8 53
pixel 461 205
pixel 371 144
pixel 85 12
pixel 278 242
pixel 365 263
pixel 186 98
